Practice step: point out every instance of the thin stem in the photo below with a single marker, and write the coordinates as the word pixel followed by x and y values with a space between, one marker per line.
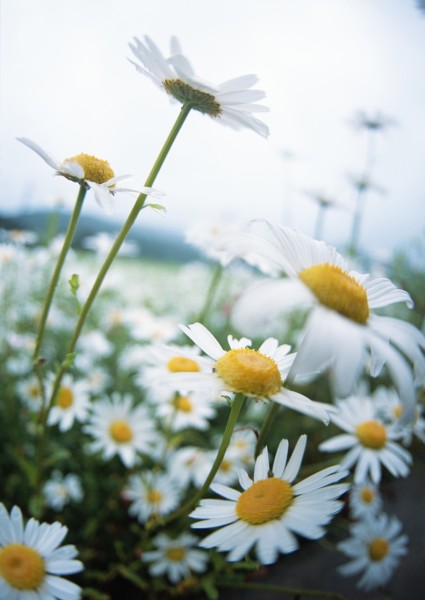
pixel 265 428
pixel 231 422
pixel 58 268
pixel 217 274
pixel 138 206
pixel 271 587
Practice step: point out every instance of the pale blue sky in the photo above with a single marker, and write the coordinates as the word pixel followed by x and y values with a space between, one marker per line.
pixel 66 83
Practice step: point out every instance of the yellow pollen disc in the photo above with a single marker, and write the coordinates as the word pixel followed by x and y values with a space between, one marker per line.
pixel 181 364
pixel 372 434
pixel 175 554
pixel 367 495
pixel 154 496
pixel 337 290
pixel 197 99
pixel 378 549
pixel 65 397
pixel 250 372
pixel 183 404
pixel 95 169
pixel 120 431
pixel 225 466
pixel 266 500
pixel 34 390
pixel 22 567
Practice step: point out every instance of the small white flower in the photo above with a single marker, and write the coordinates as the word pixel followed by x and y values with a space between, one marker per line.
pixel 390 407
pixel 120 429
pixel 231 103
pixel 95 173
pixel 32 560
pixel 59 490
pixel 270 509
pixel 175 557
pixel 151 495
pixel 190 465
pixel 365 500
pixel 375 548
pixel 369 440
pixel 71 404
pixel 342 332
pixel 181 410
pixel 259 374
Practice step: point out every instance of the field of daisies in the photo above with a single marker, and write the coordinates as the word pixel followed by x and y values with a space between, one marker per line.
pixel 172 430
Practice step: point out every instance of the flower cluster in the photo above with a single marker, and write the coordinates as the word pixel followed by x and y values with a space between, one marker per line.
pixel 152 417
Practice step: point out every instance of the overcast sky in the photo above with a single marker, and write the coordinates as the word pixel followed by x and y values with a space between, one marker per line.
pixel 67 84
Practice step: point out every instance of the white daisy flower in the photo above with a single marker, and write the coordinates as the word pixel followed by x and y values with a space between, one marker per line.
pixel 152 494
pixel 120 429
pixel 232 102
pixel 29 390
pixel 259 374
pixel 369 440
pixel 390 407
pixel 60 490
pixel 94 172
pixel 71 403
pixel 375 548
pixel 190 465
pixel 270 509
pixel 341 328
pixel 365 500
pixel 175 558
pixel 181 410
pixel 32 560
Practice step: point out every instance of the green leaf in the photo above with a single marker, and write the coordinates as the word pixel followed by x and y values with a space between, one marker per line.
pixel 69 360
pixel 158 207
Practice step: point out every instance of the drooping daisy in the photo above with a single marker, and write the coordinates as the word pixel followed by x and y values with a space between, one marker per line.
pixel 259 374
pixel 365 500
pixel 94 172
pixel 32 560
pixel 232 102
pixel 270 509
pixel 71 404
pixel 120 429
pixel 369 440
pixel 60 489
pixel 181 410
pixel 375 548
pixel 177 558
pixel 341 329
pixel 151 494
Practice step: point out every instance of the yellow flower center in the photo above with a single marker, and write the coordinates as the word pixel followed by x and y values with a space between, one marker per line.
pixel 154 496
pixel 22 567
pixel 266 500
pixel 397 410
pixel 95 169
pixel 250 372
pixel 337 290
pixel 65 397
pixel 183 404
pixel 175 554
pixel 181 364
pixel 372 434
pixel 34 390
pixel 120 431
pixel 367 495
pixel 378 549
pixel 226 466
pixel 197 99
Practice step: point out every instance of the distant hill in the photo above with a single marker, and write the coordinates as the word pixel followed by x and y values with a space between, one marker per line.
pixel 151 243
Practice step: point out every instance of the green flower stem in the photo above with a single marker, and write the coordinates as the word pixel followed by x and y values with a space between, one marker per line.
pixel 231 422
pixel 58 268
pixel 271 587
pixel 265 428
pixel 138 206
pixel 216 277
